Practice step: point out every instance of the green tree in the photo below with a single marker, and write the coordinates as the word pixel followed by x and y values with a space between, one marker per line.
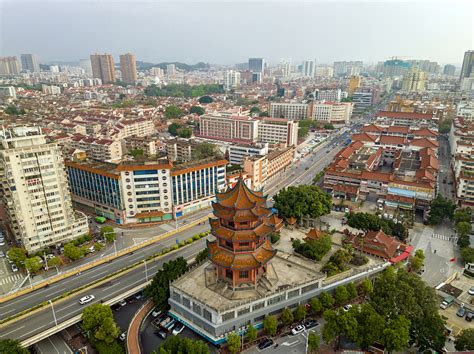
pixel 341 295
pixel 370 325
pixel 337 262
pixel 326 300
pixel 328 126
pixel 173 128
pixel 364 221
pixel 462 215
pixel 396 335
pixel 137 152
pixel 316 306
pixel 254 109
pixel 185 133
pixel 251 334
pixel 233 342
pixel 465 340
pixel 206 99
pixel 366 286
pixel 99 320
pixel 205 150
pixel 287 316
pixel 417 260
pixel 270 325
pixel 197 110
pixel 439 209
pixel 108 233
pixel 299 313
pixel 173 112
pixel 303 200
pixel 463 228
pixel 13 110
pixel 331 328
pixel 314 249
pixel 467 254
pixel 54 262
pixel 182 345
pixel 108 331
pixel 464 241
pixel 73 252
pixel 351 290
pixel 12 346
pixel 17 255
pixel 302 132
pixel 33 264
pixel 202 256
pixel 313 342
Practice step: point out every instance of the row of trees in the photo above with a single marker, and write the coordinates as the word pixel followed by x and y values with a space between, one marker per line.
pixel 371 222
pixel 313 249
pixel 177 129
pixel 463 226
pixel 183 90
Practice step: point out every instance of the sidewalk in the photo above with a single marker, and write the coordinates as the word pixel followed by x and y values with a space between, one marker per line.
pixel 133 333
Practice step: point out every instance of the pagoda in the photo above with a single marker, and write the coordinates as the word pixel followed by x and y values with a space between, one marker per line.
pixel 242 249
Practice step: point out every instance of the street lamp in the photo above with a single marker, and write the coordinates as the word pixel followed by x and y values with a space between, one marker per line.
pixel 146 271
pixel 54 314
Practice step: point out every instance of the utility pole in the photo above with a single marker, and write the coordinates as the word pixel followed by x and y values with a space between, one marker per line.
pixel 146 271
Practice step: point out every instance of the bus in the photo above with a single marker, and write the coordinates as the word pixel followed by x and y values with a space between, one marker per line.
pixel 100 219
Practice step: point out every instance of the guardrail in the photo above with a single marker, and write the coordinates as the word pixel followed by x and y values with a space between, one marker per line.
pixel 51 280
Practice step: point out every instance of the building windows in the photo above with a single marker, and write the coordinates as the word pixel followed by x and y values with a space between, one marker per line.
pixel 244 274
pixel 228 273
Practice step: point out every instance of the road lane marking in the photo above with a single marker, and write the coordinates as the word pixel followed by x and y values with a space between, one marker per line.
pixel 34 330
pixel 49 338
pixel 99 274
pixel 13 330
pixel 4 313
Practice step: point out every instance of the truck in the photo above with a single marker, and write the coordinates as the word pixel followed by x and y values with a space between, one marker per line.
pixel 100 219
pixel 448 301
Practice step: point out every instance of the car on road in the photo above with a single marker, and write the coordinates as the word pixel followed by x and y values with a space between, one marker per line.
pixel 14 268
pixel 265 343
pixel 471 291
pixel 346 308
pixel 123 336
pixel 156 312
pixel 85 299
pixel 178 329
pixel 297 330
pixel 311 324
pixel 461 312
pixel 122 303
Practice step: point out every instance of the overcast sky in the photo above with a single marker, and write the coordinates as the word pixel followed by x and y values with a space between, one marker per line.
pixel 226 32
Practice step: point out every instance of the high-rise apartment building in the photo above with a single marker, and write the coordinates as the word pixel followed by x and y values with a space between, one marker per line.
pixel 9 66
pixel 170 69
pixel 344 68
pixel 395 67
pixel 449 70
pixel 128 66
pixel 103 67
pixel 309 68
pixel 414 80
pixel 354 84
pixel 34 189
pixel 289 110
pixel 30 62
pixel 231 79
pixel 256 65
pixel 467 64
pixel 85 64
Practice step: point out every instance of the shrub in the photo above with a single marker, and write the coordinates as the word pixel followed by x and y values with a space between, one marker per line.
pixel 274 237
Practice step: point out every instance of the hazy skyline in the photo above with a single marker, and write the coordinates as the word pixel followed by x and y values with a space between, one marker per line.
pixel 230 32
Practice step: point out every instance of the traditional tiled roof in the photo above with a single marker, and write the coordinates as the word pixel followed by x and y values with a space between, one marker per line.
pixel 254 234
pixel 240 197
pixel 376 243
pixel 314 234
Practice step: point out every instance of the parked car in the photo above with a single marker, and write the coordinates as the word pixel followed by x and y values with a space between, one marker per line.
pixel 311 324
pixel 461 312
pixel 162 334
pixel 85 299
pixel 178 328
pixel 265 343
pixel 123 336
pixel 14 268
pixel 471 291
pixel 138 295
pixel 122 303
pixel 297 330
pixel 156 312
pixel 469 316
pixel 347 307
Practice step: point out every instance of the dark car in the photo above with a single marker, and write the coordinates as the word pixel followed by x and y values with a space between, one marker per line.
pixel 265 343
pixel 461 312
pixel 311 324
pixel 130 299
pixel 469 316
pixel 162 334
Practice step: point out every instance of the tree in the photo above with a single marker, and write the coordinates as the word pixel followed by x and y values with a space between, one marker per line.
pixel 328 126
pixel 108 233
pixel 108 331
pixel 254 109
pixel 367 286
pixel 464 241
pixel 16 255
pixel 197 110
pixel 395 336
pixel 233 342
pixel 137 152
pixel 13 110
pixel 205 150
pixel 173 112
pixel 303 200
pixel 331 328
pixel 417 260
pixel 202 256
pixel 302 132
pixel 439 209
pixel 316 306
pixel 99 320
pixel 465 340
pixel 185 133
pixel 33 264
pixel 364 221
pixel 182 345
pixel 270 325
pixel 327 301
pixel 462 215
pixel 299 313
pixel 72 252
pixel 251 334
pixel 287 316
pixel 12 346
pixel 206 99
pixel 369 325
pixel 351 290
pixel 173 128
pixel 313 342
pixel 341 295
pixel 467 254
pixel 463 228
pixel 54 262
pixel 313 249
pixel 337 262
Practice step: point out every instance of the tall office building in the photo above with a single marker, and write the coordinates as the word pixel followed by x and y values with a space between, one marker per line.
pixel 128 66
pixel 467 64
pixel 414 80
pixel 9 66
pixel 449 70
pixel 103 67
pixel 256 65
pixel 34 189
pixel 309 68
pixel 30 62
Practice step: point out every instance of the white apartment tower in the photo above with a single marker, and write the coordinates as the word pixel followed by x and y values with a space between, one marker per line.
pixel 231 79
pixel 34 189
pixel 309 68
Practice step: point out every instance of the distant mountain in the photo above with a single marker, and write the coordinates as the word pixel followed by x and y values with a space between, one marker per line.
pixel 141 65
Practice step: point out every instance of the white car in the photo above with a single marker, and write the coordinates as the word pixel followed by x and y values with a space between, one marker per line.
pixel 178 329
pixel 346 308
pixel 471 290
pixel 123 336
pixel 156 312
pixel 297 330
pixel 14 268
pixel 85 299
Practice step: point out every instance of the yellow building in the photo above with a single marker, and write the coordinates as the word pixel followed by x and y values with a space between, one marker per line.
pixel 354 84
pixel 128 67
pixel 414 80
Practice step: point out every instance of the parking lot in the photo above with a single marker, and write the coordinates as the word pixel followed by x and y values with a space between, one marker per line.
pixel 454 322
pixel 8 278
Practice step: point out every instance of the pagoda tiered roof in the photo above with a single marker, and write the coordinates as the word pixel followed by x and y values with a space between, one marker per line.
pixel 240 234
pixel 241 197
pixel 239 215
pixel 240 261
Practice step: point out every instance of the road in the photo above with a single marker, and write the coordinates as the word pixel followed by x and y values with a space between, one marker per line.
pixel 43 319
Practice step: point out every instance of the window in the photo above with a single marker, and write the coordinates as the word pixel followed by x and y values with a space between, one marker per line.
pixel 228 273
pixel 244 274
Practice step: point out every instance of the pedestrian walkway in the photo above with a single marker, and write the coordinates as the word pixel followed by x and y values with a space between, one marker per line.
pixel 445 237
pixel 10 279
pixel 133 334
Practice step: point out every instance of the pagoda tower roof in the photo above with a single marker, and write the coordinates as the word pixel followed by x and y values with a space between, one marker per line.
pixel 241 197
pixel 241 235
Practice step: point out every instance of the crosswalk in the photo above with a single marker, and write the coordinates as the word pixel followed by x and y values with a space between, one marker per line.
pixel 445 237
pixel 10 279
